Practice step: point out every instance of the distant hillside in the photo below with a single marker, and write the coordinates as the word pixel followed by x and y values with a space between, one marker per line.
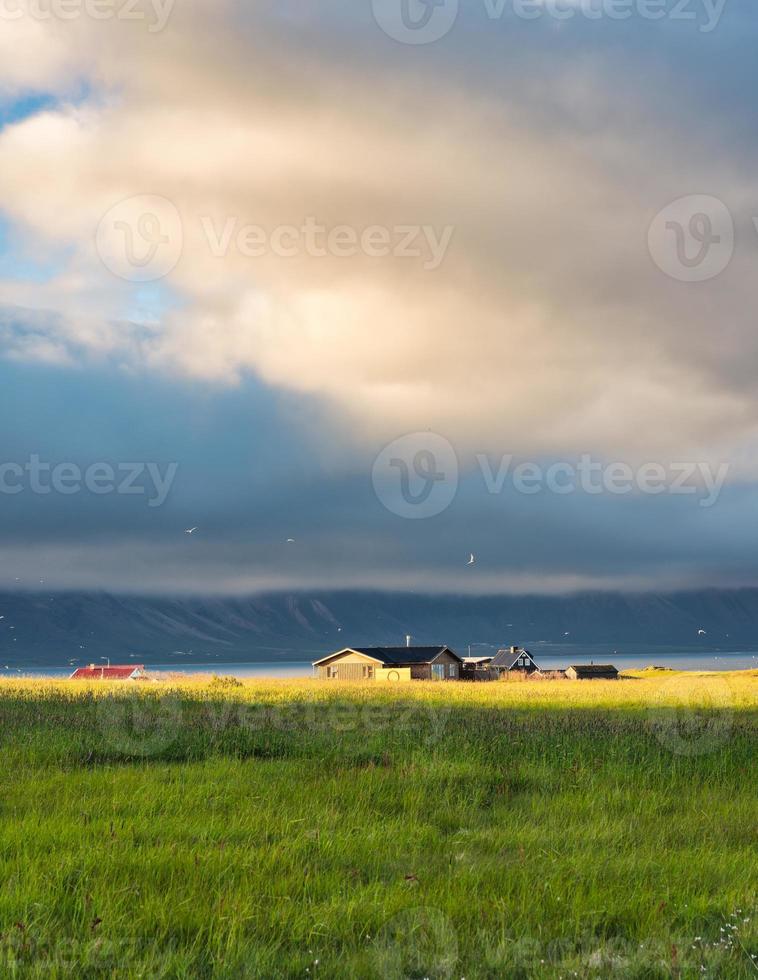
pixel 49 630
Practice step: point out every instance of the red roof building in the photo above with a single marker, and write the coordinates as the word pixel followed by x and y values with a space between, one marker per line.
pixel 95 673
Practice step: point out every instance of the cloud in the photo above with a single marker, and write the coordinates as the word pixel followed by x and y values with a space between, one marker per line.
pixel 545 328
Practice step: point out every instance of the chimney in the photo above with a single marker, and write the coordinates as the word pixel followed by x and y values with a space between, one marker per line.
pixel 408 640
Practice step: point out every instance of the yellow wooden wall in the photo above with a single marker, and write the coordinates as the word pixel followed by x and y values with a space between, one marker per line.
pixel 393 674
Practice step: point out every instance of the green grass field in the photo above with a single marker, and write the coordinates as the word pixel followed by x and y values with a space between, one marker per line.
pixel 304 829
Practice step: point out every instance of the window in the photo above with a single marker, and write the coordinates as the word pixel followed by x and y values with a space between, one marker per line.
pixel 438 672
pixel 452 670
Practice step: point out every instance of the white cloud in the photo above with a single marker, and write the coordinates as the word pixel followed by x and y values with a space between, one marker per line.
pixel 547 327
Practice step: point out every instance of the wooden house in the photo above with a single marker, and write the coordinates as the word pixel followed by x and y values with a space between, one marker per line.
pixel 592 672
pixel 513 659
pixel 390 664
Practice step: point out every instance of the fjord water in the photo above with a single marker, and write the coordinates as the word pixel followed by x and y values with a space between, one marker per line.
pixel 548 656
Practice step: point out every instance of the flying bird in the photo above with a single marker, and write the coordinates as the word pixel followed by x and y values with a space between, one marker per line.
pixel 190 530
pixel 472 559
pixel 290 540
pixel 701 633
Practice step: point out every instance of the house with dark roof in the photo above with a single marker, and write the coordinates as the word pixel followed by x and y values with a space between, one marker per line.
pixel 592 672
pixel 513 659
pixel 390 664
pixel 130 672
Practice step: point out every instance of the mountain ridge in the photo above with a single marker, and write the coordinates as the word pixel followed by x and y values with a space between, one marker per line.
pixel 41 629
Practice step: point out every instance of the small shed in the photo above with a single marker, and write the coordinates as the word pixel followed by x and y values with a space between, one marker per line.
pixel 477 661
pixel 514 659
pixel 390 664
pixel 592 672
pixel 130 672
pixel 477 669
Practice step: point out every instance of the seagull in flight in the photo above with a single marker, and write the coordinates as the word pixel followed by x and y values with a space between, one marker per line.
pixel 701 633
pixel 290 540
pixel 190 530
pixel 472 559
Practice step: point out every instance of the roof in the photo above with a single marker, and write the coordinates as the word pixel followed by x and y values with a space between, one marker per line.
pixel 507 658
pixel 594 670
pixel 115 673
pixel 394 656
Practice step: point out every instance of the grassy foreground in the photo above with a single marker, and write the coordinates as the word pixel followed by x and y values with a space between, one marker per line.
pixel 305 829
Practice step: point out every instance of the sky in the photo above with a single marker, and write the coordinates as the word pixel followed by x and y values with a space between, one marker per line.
pixel 360 290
